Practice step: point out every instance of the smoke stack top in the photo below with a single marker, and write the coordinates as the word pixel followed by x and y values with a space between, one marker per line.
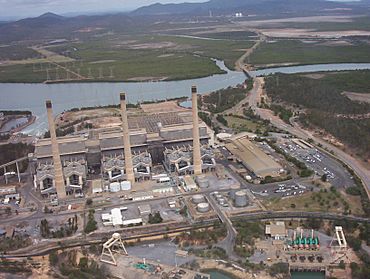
pixel 122 96
pixel 194 89
pixel 48 104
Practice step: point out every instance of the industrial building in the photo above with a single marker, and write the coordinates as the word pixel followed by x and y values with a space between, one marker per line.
pixel 115 218
pixel 124 153
pixel 180 160
pixel 276 230
pixel 252 157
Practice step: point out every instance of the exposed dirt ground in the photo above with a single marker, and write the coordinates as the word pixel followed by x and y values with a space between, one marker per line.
pixel 299 19
pixel 314 76
pixel 154 45
pixel 299 33
pixel 168 106
pixel 359 97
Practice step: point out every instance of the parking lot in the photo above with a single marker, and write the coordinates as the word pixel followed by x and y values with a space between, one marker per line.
pixel 319 162
pixel 282 189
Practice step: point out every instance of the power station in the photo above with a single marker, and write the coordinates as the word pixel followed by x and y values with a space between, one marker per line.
pixel 175 139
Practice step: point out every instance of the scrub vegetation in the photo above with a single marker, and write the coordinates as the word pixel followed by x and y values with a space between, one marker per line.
pixel 17 52
pixel 325 106
pixel 10 152
pixel 248 232
pixel 132 58
pixel 325 200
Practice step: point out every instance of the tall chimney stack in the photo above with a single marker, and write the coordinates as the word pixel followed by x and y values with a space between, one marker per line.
pixel 126 141
pixel 197 163
pixel 58 170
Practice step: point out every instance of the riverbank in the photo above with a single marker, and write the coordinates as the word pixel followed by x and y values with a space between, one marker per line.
pixel 16 123
pixel 71 95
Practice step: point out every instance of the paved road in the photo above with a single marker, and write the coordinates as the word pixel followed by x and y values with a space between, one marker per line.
pixel 228 242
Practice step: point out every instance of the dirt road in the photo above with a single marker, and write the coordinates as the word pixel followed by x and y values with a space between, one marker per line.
pixel 240 63
pixel 252 97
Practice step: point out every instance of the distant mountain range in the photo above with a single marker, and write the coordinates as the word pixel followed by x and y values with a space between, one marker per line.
pixel 51 26
pixel 257 7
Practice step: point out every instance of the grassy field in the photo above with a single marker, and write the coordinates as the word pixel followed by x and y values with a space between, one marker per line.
pixel 315 52
pixel 328 201
pixel 21 73
pixel 227 50
pixel 242 125
pixel 135 58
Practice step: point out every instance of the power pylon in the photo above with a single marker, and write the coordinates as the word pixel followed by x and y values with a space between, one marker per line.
pixel 113 245
pixel 89 74
pixel 47 75
pixel 100 73
pixel 111 72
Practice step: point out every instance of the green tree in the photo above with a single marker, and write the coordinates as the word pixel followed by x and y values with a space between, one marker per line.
pixel 53 258
pixel 324 177
pixel 89 202
pixel 156 218
pixel 91 224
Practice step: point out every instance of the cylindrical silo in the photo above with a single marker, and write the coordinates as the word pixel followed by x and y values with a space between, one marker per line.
pixel 203 207
pixel 218 197
pixel 202 181
pixel 241 199
pixel 198 199
pixel 234 188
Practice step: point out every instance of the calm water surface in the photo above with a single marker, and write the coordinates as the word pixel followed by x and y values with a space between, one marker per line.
pixel 65 96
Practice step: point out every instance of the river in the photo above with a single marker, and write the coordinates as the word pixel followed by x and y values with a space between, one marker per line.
pixel 21 96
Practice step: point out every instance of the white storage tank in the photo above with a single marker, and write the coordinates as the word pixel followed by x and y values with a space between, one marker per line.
pixel 198 199
pixel 203 207
pixel 125 185
pixel 202 181
pixel 222 200
pixel 241 199
pixel 219 197
pixel 114 187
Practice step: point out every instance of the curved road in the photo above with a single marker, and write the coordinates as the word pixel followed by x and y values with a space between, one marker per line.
pixel 254 97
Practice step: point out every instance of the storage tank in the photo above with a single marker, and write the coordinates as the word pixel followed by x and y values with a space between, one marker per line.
pixel 241 199
pixel 198 199
pixel 114 187
pixel 203 207
pixel 234 188
pixel 202 181
pixel 125 185
pixel 221 200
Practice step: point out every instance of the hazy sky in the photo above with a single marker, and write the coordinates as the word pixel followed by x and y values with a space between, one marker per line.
pixel 25 8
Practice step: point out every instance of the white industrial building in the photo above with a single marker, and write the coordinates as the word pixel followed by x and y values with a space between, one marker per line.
pixel 115 218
